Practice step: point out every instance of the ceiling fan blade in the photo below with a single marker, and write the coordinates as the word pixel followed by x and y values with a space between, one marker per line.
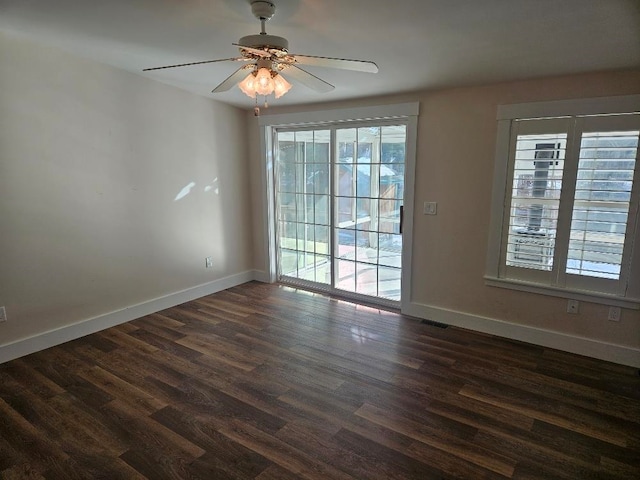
pixel 232 79
pixel 255 51
pixel 235 59
pixel 308 79
pixel 342 63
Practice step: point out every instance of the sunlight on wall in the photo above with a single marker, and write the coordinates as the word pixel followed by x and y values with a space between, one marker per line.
pixel 186 190
pixel 213 185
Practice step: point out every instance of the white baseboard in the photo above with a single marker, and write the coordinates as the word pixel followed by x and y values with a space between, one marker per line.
pixel 537 336
pixel 546 338
pixel 262 276
pixel 64 334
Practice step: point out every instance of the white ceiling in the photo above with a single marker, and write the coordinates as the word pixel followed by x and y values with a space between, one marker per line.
pixel 417 44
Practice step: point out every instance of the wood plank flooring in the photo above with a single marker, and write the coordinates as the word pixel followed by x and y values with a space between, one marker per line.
pixel 267 382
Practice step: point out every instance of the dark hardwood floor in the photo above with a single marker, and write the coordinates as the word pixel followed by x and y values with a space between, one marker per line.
pixel 266 382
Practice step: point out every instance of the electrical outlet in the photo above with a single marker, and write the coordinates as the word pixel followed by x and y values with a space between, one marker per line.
pixel 573 306
pixel 430 208
pixel 208 262
pixel 3 314
pixel 614 314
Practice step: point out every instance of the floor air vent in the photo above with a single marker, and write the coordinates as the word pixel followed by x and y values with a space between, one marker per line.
pixel 434 324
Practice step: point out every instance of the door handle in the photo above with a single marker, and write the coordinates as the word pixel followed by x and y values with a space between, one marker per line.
pixel 401 217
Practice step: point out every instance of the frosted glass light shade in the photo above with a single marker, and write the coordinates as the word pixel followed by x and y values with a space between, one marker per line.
pixel 248 85
pixel 263 83
pixel 281 85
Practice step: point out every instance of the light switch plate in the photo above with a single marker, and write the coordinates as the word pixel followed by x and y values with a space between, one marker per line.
pixel 430 208
pixel 3 314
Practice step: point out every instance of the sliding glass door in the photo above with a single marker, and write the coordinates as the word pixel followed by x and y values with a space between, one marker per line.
pixel 339 195
pixel 369 176
pixel 303 196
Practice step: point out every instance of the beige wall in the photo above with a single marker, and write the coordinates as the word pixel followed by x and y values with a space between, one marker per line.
pixel 456 151
pixel 92 160
pixel 454 167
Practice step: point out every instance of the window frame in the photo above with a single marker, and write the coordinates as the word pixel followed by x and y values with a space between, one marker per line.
pixel 497 273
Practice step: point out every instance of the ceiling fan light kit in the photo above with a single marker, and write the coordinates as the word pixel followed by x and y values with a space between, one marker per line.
pixel 268 55
pixel 264 82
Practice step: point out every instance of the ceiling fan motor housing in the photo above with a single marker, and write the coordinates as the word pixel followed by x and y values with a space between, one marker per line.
pixel 264 40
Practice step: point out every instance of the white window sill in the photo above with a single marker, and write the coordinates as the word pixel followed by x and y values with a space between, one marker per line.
pixel 584 296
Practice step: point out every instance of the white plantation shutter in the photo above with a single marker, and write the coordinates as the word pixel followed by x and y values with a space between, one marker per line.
pixel 535 200
pixel 571 202
pixel 601 203
pixel 537 162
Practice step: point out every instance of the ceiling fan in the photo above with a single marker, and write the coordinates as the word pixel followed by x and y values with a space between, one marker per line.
pixel 267 56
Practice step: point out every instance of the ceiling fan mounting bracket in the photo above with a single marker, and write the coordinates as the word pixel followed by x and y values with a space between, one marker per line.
pixel 263 10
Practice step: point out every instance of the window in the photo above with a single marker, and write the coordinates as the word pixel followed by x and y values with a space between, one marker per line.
pixel 566 201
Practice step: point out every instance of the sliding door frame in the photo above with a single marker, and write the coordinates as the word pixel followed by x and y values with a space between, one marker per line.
pixel 407 113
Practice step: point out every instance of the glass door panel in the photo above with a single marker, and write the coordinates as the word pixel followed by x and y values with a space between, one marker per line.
pixel 369 174
pixel 339 193
pixel 302 195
